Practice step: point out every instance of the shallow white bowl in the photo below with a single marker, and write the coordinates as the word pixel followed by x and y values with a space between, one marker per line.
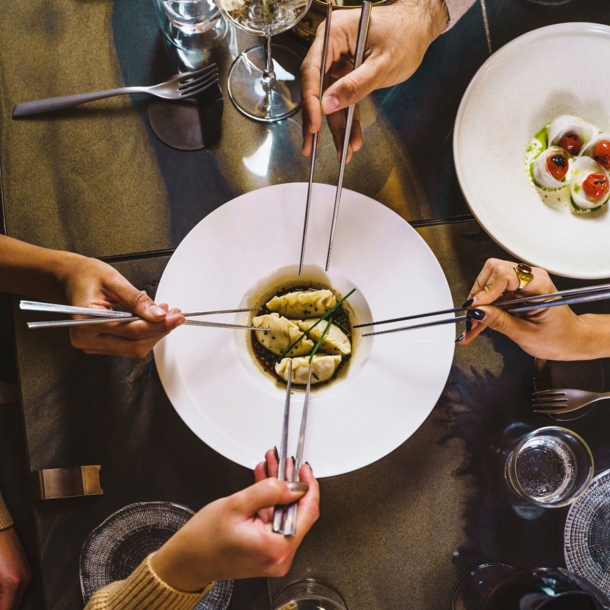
pixel 391 385
pixel 560 69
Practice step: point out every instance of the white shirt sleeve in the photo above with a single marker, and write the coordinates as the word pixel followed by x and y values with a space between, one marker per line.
pixel 456 9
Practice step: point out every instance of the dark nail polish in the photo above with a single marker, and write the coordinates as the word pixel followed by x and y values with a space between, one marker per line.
pixel 468 325
pixel 310 468
pixel 476 314
pixel 460 338
pixel 277 456
pixel 468 303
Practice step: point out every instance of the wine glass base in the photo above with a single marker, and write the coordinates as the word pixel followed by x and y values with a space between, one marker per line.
pixel 474 587
pixel 257 100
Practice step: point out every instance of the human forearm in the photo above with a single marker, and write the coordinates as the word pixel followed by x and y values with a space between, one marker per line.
pixel 593 338
pixel 33 271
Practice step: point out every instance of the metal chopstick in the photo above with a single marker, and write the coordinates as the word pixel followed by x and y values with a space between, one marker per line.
pixel 502 304
pixel 111 313
pixel 363 31
pixel 329 12
pixel 69 323
pixel 425 325
pixel 290 523
pixel 278 511
pixel 573 300
pixel 70 309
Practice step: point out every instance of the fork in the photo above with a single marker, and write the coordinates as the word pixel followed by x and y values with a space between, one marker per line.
pixel 178 87
pixel 555 402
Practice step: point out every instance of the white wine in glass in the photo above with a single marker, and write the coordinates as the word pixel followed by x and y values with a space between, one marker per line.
pixel 263 87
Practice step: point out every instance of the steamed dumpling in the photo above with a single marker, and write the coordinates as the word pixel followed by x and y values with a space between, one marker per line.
pixel 599 149
pixel 551 168
pixel 335 341
pixel 303 304
pixel 590 184
pixel 570 132
pixel 282 334
pixel 323 368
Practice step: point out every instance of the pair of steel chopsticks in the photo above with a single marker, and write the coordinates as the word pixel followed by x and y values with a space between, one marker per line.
pixel 285 517
pixel 573 296
pixel 363 31
pixel 106 316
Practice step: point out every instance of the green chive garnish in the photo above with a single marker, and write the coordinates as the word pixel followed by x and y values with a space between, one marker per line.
pixel 317 346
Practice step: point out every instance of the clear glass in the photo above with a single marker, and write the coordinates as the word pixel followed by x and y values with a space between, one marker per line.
pixel 550 467
pixel 309 595
pixel 193 27
pixel 264 85
pixel 474 587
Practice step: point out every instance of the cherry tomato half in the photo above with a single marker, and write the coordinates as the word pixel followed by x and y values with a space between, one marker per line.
pixel 596 186
pixel 601 153
pixel 558 166
pixel 571 142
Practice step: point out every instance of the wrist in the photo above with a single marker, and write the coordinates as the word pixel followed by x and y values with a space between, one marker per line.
pixel 593 337
pixel 174 566
pixel 432 15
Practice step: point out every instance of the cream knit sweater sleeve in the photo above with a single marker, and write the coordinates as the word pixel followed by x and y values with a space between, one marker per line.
pixel 144 590
pixel 456 9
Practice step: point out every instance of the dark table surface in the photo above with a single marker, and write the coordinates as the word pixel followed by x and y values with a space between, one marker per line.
pixel 97 181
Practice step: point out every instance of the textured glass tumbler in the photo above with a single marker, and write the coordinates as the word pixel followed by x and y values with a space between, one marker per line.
pixel 550 467
pixel 309 595
pixel 193 27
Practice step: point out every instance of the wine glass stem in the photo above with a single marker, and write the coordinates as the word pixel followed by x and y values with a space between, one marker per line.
pixel 268 74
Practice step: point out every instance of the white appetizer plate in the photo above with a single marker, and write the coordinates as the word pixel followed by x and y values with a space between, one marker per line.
pixel 392 382
pixel 532 80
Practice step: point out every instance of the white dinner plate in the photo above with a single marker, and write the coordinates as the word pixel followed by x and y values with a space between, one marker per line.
pixel 392 382
pixel 532 80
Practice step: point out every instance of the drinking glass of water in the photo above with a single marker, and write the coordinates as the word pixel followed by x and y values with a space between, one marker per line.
pixel 550 467
pixel 263 87
pixel 309 595
pixel 193 27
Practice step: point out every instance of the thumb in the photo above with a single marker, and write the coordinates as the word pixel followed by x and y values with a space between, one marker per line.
pixel 267 493
pixel 137 301
pixel 351 88
pixel 502 322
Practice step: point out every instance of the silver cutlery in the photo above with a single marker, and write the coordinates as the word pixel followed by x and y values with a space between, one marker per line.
pixel 107 316
pixel 363 31
pixel 290 522
pixel 314 150
pixel 501 305
pixel 178 87
pixel 532 303
pixel 278 511
pixel 557 402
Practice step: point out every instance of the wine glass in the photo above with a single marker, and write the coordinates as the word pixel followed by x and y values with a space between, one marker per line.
pixel 263 87
pixel 309 594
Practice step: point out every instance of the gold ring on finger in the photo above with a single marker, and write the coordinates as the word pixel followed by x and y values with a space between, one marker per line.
pixel 525 275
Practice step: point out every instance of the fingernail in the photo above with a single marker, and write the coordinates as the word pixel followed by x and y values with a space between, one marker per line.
pixel 181 321
pixel 476 314
pixel 277 455
pixel 330 104
pixel 468 303
pixel 310 468
pixel 155 310
pixel 297 486
pixel 468 325
pixel 265 467
pixel 460 338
